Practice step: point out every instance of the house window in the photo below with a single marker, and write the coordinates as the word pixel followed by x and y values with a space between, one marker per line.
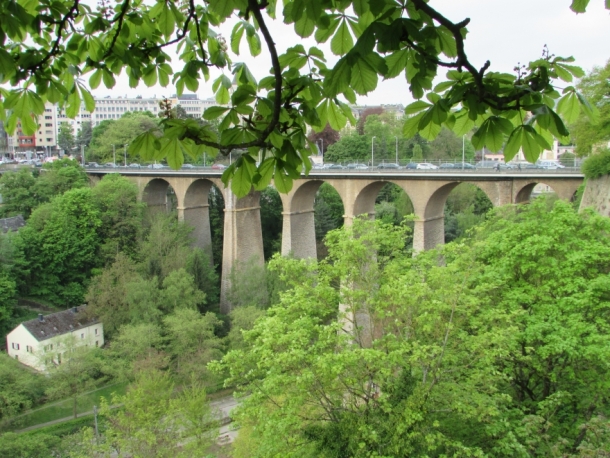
pixel 29 349
pixel 48 347
pixel 82 336
pixel 15 346
pixel 95 331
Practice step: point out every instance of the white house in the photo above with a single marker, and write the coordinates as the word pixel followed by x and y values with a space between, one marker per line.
pixel 47 340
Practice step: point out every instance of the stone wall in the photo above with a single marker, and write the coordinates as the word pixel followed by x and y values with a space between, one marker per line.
pixel 597 195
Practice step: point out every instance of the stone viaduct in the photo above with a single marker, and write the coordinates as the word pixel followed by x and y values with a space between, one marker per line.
pixel 243 240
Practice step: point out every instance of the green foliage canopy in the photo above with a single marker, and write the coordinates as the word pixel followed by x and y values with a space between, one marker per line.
pixel 500 350
pixel 375 39
pixel 587 136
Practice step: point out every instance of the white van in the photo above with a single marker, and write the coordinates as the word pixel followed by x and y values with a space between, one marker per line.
pixel 549 164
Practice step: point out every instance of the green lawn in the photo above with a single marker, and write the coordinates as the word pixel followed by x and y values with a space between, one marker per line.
pixel 63 409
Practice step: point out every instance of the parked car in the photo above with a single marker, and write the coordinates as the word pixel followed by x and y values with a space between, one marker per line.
pixel 411 165
pixel 357 166
pixel 464 166
pixel 335 167
pixel 549 164
pixel 426 166
pixel 93 165
pixel 157 166
pixel 187 166
pixel 111 165
pixel 134 166
pixel 447 165
pixel 219 167
pixel 388 165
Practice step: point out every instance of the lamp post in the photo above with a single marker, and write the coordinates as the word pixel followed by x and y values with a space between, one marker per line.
pixel 373 152
pixel 463 149
pixel 396 150
pixel 82 154
pixel 113 156
pixel 125 155
pixel 322 147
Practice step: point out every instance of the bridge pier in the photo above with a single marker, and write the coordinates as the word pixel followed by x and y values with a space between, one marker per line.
pixel 299 234
pixel 243 239
pixel 428 233
pixel 198 217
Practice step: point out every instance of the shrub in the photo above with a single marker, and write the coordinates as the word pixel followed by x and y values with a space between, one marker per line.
pixel 597 165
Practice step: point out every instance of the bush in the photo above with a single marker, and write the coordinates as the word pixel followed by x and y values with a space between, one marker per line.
pixel 597 165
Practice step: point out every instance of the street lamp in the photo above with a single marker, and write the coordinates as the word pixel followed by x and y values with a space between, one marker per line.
pixel 113 156
pixel 125 155
pixel 373 152
pixel 396 150
pixel 463 149
pixel 322 147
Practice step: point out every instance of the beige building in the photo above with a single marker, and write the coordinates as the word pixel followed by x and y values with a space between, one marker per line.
pixel 48 340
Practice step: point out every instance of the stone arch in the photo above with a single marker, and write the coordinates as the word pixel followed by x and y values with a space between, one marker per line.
pixel 155 195
pixel 436 203
pixel 364 204
pixel 524 194
pixel 298 227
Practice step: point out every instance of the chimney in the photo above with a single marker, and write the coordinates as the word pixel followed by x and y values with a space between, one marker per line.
pixel 40 317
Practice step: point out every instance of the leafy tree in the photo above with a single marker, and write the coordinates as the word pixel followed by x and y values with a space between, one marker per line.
pixel 121 215
pixel 323 139
pixel 192 343
pixel 363 117
pixel 242 319
pixel 448 146
pixel 20 388
pixel 107 294
pixel 271 116
pixel 65 137
pixel 8 295
pixel 137 349
pixel 76 369
pixel 271 222
pixel 497 351
pixel 59 245
pixel 58 177
pixel 165 247
pixel 588 136
pixel 417 153
pixel 217 223
pixel 85 134
pixel 179 291
pixel 18 195
pixel 351 147
pixel 23 191
pixel 118 133
pixel 204 275
pixel 328 210
pixel 249 285
pixel 156 420
pixel 29 446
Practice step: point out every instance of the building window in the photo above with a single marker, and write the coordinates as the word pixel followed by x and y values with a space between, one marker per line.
pixel 95 331
pixel 29 349
pixel 15 346
pixel 82 336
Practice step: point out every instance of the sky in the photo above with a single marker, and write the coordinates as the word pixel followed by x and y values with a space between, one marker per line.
pixel 505 32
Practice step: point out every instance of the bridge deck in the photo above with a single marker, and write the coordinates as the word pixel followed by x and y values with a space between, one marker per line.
pixel 482 174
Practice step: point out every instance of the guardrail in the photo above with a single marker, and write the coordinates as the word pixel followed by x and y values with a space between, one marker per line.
pixel 376 170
